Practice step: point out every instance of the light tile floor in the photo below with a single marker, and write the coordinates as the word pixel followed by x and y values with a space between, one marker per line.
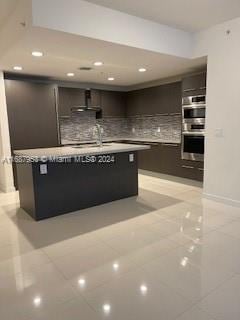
pixel 167 254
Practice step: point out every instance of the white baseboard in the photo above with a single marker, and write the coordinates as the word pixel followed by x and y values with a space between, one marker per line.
pixel 228 201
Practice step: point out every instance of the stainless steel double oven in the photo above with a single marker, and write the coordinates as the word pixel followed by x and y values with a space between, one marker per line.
pixel 193 127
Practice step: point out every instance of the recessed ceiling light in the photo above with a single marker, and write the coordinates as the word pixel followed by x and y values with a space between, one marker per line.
pixel 17 68
pixel 98 63
pixel 37 301
pixel 142 70
pixel 111 79
pixel 115 266
pixel 106 308
pixel 37 54
pixel 70 74
pixel 143 289
pixel 82 282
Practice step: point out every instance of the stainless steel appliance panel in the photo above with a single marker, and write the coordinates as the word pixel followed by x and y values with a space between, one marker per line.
pixel 193 127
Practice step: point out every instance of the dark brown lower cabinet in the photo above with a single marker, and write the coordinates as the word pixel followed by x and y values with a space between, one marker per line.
pixel 170 155
pixel 149 159
pixel 166 158
pixel 192 170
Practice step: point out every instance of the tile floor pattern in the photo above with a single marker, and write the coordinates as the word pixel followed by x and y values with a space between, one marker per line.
pixel 165 255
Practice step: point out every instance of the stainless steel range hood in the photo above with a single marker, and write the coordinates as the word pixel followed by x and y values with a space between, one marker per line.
pixel 88 106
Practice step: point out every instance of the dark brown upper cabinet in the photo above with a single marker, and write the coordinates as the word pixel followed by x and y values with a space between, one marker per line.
pixel 113 103
pixel 69 97
pixel 171 101
pixel 144 102
pixel 133 103
pixel 194 85
pixel 162 100
pixel 95 97
pixel 32 114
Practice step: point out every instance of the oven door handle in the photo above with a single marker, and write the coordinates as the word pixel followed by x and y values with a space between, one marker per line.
pixel 190 133
pixel 194 106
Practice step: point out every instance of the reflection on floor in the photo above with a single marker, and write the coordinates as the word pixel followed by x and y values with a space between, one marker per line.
pixel 166 255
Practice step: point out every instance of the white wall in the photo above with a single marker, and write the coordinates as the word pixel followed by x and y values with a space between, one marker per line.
pixel 6 174
pixel 12 31
pixel 222 158
pixel 90 20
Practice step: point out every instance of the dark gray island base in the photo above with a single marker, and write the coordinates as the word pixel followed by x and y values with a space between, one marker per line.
pixel 50 188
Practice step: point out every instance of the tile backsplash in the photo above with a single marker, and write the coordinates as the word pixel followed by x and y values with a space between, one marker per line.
pixel 80 127
pixel 159 128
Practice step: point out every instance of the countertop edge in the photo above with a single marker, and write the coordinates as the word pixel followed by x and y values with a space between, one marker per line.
pixel 32 153
pixel 118 140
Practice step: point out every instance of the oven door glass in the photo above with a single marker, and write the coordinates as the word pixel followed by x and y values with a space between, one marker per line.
pixel 193 144
pixel 193 113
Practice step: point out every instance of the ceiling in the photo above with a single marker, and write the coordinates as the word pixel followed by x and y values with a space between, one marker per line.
pixel 6 8
pixel 189 15
pixel 65 53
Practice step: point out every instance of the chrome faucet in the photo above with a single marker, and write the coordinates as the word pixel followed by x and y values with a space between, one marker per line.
pixel 99 133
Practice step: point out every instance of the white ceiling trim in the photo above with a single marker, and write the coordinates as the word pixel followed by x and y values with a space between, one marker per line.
pixel 84 18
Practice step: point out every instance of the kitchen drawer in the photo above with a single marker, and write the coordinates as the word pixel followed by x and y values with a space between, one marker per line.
pixel 192 170
pixel 166 158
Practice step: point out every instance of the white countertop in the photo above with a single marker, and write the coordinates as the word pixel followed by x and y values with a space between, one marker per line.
pixel 64 142
pixel 70 151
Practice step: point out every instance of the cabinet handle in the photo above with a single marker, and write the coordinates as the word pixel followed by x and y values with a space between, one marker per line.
pixel 187 167
pixel 175 114
pixel 202 88
pixel 170 144
pixel 200 169
pixel 162 114
pixel 187 90
pixel 64 117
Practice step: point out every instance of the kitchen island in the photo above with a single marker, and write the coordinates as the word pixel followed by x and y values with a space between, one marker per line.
pixel 55 181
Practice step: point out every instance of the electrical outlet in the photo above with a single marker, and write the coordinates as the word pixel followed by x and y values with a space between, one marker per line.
pixel 131 157
pixel 219 133
pixel 43 169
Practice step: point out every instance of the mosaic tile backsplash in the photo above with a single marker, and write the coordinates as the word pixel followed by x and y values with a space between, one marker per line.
pixel 80 127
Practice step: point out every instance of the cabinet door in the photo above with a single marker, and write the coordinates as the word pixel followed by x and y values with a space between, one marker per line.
pixel 95 97
pixel 32 114
pixel 152 100
pixel 113 103
pixel 149 159
pixel 170 155
pixel 194 85
pixel 148 101
pixel 171 98
pixel 164 99
pixel 166 158
pixel 69 97
pixel 192 170
pixel 133 103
